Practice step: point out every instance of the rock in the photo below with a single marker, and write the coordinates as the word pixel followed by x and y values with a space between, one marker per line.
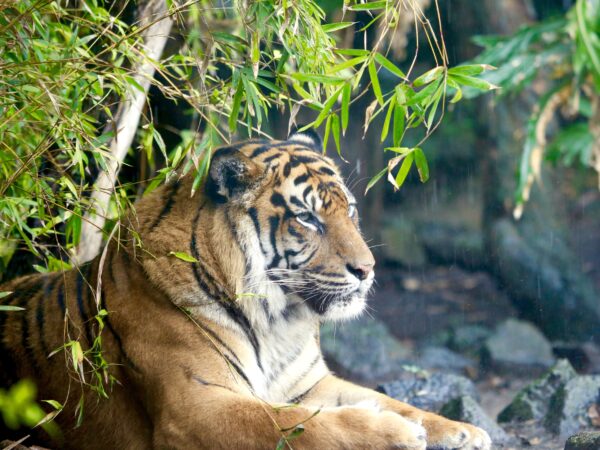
pixel 532 401
pixel 543 277
pixel 429 392
pixel 441 358
pixel 570 406
pixel 589 440
pixel 453 244
pixel 469 339
pixel 402 245
pixel 364 349
pixel 468 410
pixel 518 346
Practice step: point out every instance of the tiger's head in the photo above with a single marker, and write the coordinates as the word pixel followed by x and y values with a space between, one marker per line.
pixel 296 223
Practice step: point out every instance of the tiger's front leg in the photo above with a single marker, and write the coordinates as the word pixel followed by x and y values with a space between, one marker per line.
pixel 442 434
pixel 214 417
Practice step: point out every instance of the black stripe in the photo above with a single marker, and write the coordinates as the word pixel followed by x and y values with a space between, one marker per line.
pixel 239 370
pixel 274 225
pixel 216 337
pixel 305 193
pixel 238 316
pixel 60 297
pixel 326 171
pixel 259 151
pixel 301 178
pixel 232 310
pixel 202 282
pixel 23 300
pixel 296 234
pixel 170 201
pixel 49 283
pixel 270 158
pixel 309 257
pixel 253 213
pixel 206 383
pixel 81 285
pixel 287 169
pixel 296 201
pixel 299 398
pixel 302 159
pixel 117 337
pixel 278 201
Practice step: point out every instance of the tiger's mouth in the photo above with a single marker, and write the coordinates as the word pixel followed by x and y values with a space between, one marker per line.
pixel 336 300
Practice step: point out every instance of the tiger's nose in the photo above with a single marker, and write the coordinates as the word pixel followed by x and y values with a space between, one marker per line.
pixel 360 271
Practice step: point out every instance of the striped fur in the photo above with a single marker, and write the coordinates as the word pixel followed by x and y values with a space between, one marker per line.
pixel 211 354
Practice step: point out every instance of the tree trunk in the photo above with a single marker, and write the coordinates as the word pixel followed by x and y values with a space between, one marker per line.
pixel 155 16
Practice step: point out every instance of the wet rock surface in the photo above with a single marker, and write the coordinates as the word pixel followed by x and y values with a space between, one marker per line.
pixel 466 409
pixel 533 402
pixel 518 346
pixel 574 406
pixel 584 441
pixel 429 391
pixel 364 349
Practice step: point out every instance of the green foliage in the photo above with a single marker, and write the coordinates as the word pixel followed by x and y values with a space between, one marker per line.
pixel 60 69
pixel 64 70
pixel 18 407
pixel 565 51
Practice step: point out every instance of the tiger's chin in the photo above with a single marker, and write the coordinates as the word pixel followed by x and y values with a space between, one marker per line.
pixel 346 308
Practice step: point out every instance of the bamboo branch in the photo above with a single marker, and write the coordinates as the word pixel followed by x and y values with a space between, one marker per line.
pixel 125 126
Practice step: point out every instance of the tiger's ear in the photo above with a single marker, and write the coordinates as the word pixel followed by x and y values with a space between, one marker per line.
pixel 309 138
pixel 231 174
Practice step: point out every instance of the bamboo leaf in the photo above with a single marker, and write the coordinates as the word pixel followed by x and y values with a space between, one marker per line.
pixel 421 163
pixel 331 27
pixel 386 123
pixel 375 179
pixel 429 76
pixel 369 6
pixel 389 65
pixel 11 308
pixel 476 83
pixel 375 83
pixel 404 169
pixel 346 93
pixel 398 128
pixel 184 257
pixel 470 69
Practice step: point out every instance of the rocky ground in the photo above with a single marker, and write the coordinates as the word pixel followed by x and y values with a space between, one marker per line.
pixel 448 341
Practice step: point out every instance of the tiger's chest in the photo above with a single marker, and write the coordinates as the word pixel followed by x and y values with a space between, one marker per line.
pixel 288 358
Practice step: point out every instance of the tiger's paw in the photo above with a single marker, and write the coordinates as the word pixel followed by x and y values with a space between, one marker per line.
pixel 457 435
pixel 383 430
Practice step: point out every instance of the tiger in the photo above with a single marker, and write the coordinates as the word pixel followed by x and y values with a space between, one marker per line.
pixel 219 349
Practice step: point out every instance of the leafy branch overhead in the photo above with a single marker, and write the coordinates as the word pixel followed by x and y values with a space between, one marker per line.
pixel 64 72
pixel 565 53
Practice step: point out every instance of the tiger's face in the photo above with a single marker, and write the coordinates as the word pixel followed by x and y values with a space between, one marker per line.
pixel 302 223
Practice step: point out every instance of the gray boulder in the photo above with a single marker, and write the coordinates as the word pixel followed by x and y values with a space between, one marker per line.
pixel 429 391
pixel 569 408
pixel 364 349
pixel 468 410
pixel 518 346
pixel 588 440
pixel 469 339
pixel 443 359
pixel 532 402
